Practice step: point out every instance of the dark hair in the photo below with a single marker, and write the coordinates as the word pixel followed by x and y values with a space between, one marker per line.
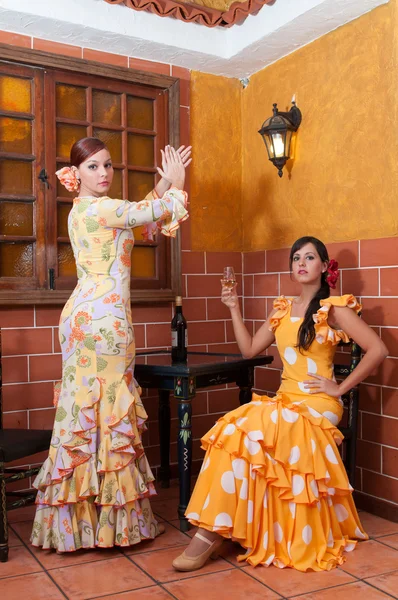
pixel 306 334
pixel 83 149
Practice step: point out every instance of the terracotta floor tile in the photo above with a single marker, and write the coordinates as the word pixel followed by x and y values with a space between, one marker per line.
pixel 376 526
pixel 234 584
pixel 387 583
pixel 25 513
pixel 370 559
pixel 352 591
pixel 13 540
pixel 390 540
pixel 159 566
pixel 176 522
pixel 230 551
pixel 172 537
pixel 289 582
pixel 111 576
pixel 167 509
pixel 20 562
pixel 35 587
pixel 150 593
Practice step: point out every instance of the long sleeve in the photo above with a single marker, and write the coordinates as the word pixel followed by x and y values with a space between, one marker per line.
pixel 154 213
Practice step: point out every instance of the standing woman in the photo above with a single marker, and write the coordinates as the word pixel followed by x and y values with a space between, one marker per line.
pixel 94 487
pixel 272 478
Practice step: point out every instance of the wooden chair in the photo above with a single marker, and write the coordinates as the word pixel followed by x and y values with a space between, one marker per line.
pixel 14 445
pixel 351 404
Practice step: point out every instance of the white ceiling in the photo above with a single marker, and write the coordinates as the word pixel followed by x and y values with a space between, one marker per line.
pixel 277 30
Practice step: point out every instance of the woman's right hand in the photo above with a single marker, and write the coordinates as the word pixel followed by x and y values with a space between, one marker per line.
pixel 229 297
pixel 173 167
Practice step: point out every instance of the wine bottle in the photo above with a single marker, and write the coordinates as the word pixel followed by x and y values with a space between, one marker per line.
pixel 179 334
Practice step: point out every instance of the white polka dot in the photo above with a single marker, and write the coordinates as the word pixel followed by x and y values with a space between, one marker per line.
pixel 193 516
pixel 243 489
pixel 270 458
pixel 274 416
pixel 350 487
pixel 212 438
pixel 240 421
pixel 229 429
pixel 298 485
pixel 295 319
pixel 330 455
pixel 269 560
pixel 247 552
pixel 331 492
pixel 265 541
pixel 278 533
pixel 289 415
pixel 256 402
pixel 327 476
pixel 238 467
pixel 294 455
pixel 314 412
pixel 292 508
pixel 289 547
pixel 252 447
pixel 349 547
pixel 228 482
pixel 330 542
pixel 314 488
pixel 302 387
pixel 319 506
pixel 359 534
pixel 311 366
pixel 206 504
pixel 250 508
pixel 313 445
pixel 223 520
pixel 307 534
pixel 253 472
pixel 290 355
pixel 205 464
pixel 265 499
pixel 254 436
pixel 331 416
pixel 341 512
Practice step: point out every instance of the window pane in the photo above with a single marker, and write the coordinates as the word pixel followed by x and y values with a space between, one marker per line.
pixel 140 184
pixel 16 260
pixel 15 94
pixel 140 150
pixel 67 135
pixel 66 261
pixel 143 261
pixel 63 211
pixel 61 190
pixel 71 102
pixel 116 190
pixel 15 135
pixel 16 218
pixel 113 141
pixel 106 108
pixel 15 177
pixel 139 112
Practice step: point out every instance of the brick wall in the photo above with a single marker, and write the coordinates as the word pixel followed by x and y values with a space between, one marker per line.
pixel 369 270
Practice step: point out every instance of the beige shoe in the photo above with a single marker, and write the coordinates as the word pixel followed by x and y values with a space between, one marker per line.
pixel 192 563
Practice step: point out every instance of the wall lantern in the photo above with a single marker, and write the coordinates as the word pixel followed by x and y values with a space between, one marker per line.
pixel 277 134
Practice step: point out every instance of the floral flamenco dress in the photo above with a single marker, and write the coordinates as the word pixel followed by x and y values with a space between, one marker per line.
pixel 272 478
pixel 94 487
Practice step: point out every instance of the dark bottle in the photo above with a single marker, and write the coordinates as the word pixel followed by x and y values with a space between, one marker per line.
pixel 179 334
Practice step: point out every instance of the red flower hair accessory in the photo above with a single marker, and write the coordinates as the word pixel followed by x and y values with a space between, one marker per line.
pixel 333 273
pixel 68 178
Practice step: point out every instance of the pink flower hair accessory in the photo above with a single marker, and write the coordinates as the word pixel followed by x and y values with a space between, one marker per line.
pixel 69 178
pixel 333 273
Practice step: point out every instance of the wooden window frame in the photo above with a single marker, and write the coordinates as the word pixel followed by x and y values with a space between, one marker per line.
pixel 169 85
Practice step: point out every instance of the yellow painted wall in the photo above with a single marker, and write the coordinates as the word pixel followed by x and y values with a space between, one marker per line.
pixel 216 171
pixel 343 183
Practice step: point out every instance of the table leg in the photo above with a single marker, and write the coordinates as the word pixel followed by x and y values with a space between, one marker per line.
pixel 164 437
pixel 245 383
pixel 184 458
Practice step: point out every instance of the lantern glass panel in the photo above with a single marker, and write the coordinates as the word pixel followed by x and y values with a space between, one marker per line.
pixel 278 142
pixel 268 145
pixel 289 134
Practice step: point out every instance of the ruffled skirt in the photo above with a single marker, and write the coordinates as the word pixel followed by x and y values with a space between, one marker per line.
pixel 273 480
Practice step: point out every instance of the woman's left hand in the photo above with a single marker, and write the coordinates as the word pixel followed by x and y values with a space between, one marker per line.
pixel 322 385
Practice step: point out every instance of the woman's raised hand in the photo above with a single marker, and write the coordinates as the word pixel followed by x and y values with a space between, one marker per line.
pixel 173 165
pixel 229 296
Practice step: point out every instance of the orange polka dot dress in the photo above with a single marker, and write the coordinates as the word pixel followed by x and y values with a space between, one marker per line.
pixel 272 478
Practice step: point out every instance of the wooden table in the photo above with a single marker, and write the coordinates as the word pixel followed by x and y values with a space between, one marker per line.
pixel 202 369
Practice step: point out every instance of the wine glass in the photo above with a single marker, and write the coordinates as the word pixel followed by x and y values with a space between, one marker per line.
pixel 229 280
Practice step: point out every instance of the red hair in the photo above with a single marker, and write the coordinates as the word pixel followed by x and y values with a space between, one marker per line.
pixel 83 149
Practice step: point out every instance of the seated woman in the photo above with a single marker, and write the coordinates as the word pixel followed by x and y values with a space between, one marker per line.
pixel 272 478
